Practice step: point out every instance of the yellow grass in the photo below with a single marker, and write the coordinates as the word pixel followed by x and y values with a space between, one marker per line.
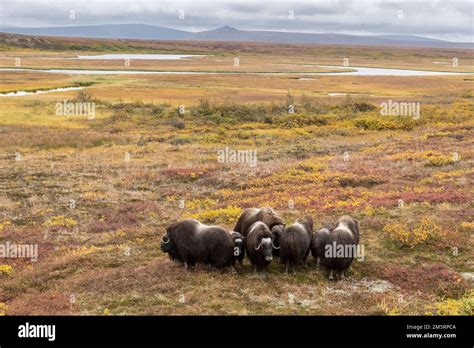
pixel 128 170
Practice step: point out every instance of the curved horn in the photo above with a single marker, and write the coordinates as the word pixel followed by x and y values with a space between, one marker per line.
pixel 165 241
pixel 258 247
pixel 275 246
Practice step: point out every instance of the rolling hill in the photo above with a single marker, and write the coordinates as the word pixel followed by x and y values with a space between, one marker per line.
pixel 226 33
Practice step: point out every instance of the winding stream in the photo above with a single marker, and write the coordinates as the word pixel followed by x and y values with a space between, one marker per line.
pixel 24 93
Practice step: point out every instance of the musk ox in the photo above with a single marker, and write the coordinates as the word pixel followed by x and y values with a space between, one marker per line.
pixel 295 242
pixel 251 215
pixel 239 247
pixel 168 247
pixel 259 244
pixel 318 242
pixel 341 247
pixel 191 242
pixel 277 232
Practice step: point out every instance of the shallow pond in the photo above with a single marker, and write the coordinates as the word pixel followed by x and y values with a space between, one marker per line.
pixel 139 56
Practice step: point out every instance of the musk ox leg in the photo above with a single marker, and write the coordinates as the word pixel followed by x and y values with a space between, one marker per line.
pixel 331 276
pixel 318 262
pixel 223 270
pixel 189 264
pixel 239 261
pixel 286 267
pixel 231 269
pixel 305 260
pixel 340 275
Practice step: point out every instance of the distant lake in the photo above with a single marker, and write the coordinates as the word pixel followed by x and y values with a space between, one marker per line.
pixel 140 56
pixel 364 71
pixel 357 71
pixel 111 72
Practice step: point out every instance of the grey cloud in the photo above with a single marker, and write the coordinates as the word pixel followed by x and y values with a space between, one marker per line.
pixel 452 20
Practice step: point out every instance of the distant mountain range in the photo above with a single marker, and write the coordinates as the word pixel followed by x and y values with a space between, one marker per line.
pixel 226 33
pixel 106 31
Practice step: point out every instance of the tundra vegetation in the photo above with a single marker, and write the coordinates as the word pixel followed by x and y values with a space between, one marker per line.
pixel 96 194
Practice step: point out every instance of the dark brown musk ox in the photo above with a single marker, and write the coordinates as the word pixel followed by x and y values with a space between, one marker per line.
pixel 239 247
pixel 341 247
pixel 259 245
pixel 295 243
pixel 251 215
pixel 277 232
pixel 319 240
pixel 191 242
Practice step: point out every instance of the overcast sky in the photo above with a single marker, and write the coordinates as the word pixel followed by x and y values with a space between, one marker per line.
pixel 449 20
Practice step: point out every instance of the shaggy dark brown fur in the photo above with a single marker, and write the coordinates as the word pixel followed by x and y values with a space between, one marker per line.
pixel 277 232
pixel 191 242
pixel 259 243
pixel 251 215
pixel 295 242
pixel 346 234
pixel 319 240
pixel 239 247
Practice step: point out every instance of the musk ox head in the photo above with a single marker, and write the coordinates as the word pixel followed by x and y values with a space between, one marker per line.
pixel 166 245
pixel 277 232
pixel 265 246
pixel 269 217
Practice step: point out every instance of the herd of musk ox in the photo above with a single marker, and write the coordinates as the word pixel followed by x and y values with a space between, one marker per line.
pixel 262 235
